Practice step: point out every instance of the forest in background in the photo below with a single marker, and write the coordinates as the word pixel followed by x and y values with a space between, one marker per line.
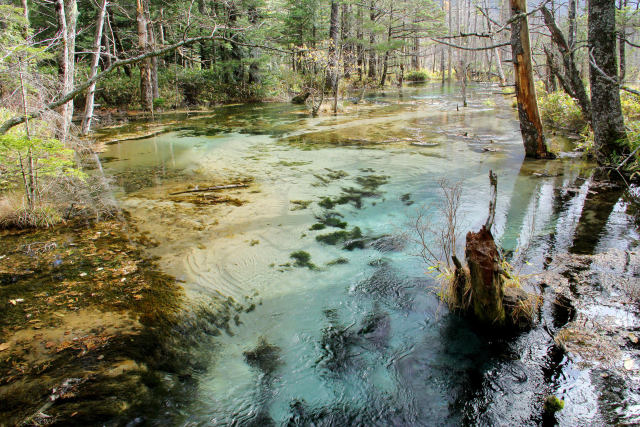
pixel 67 66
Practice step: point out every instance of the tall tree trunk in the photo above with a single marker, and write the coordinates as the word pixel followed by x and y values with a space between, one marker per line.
pixel 530 122
pixel 608 123
pixel 449 52
pixel 67 14
pixel 496 51
pixel 146 89
pixel 25 13
pixel 95 61
pixel 621 40
pixel 332 77
pixel 572 24
pixel 442 65
pixel 347 48
pixel 571 81
pixel 155 89
pixel 359 36
pixel 106 42
pixel 372 41
pixel 385 63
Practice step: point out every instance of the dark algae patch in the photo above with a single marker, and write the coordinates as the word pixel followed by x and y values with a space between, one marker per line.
pixel 341 236
pixel 92 329
pixel 265 356
pixel 302 259
pixel 368 188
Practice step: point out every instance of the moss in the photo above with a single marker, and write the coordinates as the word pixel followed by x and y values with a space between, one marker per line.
pixel 552 404
pixel 338 261
pixel 300 204
pixel 339 236
pixel 293 163
pixel 303 259
pixel 318 226
pixel 335 222
pixel 372 182
pixel 326 203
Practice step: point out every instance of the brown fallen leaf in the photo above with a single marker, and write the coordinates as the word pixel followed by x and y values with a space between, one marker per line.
pixel 50 344
pixel 4 346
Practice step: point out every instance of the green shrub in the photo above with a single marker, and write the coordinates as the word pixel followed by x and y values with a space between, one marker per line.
pixel 560 111
pixel 630 106
pixel 417 76
pixel 159 103
pixel 119 90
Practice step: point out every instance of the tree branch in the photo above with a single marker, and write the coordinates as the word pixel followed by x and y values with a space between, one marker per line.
pixel 471 48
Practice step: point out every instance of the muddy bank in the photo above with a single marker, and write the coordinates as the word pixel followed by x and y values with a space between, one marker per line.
pixel 91 331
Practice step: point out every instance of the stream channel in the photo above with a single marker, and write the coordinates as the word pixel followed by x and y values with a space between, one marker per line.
pixel 354 333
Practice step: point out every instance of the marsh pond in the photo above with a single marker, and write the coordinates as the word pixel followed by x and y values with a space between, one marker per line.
pixel 293 295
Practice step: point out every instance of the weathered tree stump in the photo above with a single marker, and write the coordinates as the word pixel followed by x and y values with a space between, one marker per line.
pixel 485 280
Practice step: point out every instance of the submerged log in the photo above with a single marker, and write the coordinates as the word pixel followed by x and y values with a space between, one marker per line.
pixel 207 189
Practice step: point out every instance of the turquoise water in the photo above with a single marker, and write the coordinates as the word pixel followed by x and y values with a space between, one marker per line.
pixel 364 341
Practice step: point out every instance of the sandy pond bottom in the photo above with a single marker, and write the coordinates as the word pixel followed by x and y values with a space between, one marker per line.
pixel 353 333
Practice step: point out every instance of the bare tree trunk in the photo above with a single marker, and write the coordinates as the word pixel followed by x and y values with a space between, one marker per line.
pixel 496 51
pixel 97 43
pixel 571 81
pixel 607 120
pixel 442 66
pixel 572 24
pixel 621 41
pixel 449 52
pixel 385 63
pixel 25 13
pixel 530 122
pixel 360 49
pixel 146 90
pixel 332 77
pixel 155 90
pixel 67 13
pixel 372 41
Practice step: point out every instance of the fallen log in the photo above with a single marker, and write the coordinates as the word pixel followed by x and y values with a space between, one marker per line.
pixel 215 188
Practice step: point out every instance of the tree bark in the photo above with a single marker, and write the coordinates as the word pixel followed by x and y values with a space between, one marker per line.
pixel 146 89
pixel 607 120
pixel 572 24
pixel 372 41
pixel 621 41
pixel 530 122
pixel 483 260
pixel 67 14
pixel 332 76
pixel 97 43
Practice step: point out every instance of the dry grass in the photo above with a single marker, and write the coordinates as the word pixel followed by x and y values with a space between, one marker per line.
pixel 15 214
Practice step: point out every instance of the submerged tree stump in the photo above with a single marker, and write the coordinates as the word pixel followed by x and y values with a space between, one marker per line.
pixel 485 280
pixel 481 289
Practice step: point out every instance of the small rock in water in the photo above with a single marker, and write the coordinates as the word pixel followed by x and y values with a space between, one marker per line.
pixel 629 365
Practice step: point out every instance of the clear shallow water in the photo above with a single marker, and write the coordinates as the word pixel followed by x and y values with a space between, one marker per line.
pixel 365 342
